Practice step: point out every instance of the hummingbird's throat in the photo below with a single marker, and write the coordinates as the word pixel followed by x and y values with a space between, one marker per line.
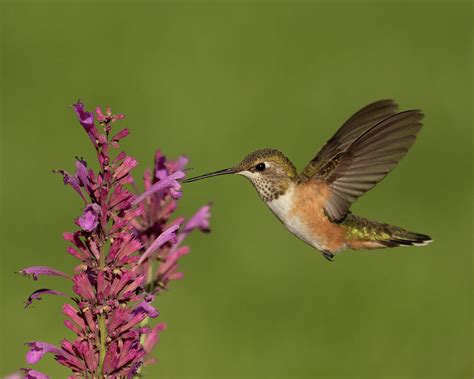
pixel 269 190
pixel 269 187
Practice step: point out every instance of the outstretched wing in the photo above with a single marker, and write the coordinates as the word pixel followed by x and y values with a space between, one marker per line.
pixel 356 125
pixel 353 165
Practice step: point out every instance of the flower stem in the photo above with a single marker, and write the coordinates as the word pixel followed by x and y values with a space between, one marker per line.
pixel 102 327
pixel 102 351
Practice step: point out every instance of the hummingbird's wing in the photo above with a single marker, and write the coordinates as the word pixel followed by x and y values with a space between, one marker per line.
pixel 356 125
pixel 353 165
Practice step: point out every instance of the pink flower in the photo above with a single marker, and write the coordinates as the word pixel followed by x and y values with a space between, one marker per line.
pixel 200 220
pixel 108 117
pixel 128 248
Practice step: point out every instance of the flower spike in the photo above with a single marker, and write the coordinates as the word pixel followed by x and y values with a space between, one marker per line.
pixel 129 247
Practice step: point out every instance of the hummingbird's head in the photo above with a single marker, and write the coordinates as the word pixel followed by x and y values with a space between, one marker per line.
pixel 269 170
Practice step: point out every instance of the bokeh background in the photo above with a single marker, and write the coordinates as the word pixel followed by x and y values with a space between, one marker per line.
pixel 216 80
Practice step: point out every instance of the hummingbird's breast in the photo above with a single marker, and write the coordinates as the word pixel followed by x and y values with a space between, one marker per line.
pixel 301 210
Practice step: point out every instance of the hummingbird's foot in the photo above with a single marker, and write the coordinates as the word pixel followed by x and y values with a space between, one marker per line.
pixel 329 256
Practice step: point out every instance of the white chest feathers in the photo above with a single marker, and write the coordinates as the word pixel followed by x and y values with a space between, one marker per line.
pixel 282 207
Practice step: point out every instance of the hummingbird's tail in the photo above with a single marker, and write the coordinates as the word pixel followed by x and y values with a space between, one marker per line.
pixel 367 234
pixel 407 238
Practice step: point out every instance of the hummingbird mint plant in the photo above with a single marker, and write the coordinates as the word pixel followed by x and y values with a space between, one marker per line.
pixel 128 246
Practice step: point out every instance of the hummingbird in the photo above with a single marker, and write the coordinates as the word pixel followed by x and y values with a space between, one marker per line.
pixel 315 204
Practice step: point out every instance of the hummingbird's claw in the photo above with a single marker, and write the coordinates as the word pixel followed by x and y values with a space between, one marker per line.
pixel 329 256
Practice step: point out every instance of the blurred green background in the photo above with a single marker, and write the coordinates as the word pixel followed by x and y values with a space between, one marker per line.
pixel 215 81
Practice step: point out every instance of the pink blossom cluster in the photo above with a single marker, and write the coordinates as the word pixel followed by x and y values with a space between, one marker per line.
pixel 128 246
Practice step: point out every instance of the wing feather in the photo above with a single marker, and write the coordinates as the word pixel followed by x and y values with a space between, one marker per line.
pixel 369 159
pixel 352 165
pixel 355 126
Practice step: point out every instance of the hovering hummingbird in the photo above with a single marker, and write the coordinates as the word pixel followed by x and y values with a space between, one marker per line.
pixel 314 205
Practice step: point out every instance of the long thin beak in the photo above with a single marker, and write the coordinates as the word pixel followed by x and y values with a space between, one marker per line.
pixel 217 173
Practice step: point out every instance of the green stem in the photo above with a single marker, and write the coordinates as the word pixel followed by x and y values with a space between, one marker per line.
pixel 102 326
pixel 102 351
pixel 142 339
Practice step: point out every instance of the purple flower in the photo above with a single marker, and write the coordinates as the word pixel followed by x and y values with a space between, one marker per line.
pixel 82 174
pixel 169 183
pixel 85 118
pixel 200 220
pixel 71 180
pixel 147 308
pixel 129 248
pixel 38 349
pixel 168 235
pixel 35 271
pixel 33 374
pixel 37 295
pixel 90 217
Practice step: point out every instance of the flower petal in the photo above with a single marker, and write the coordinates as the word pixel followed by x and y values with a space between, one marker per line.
pixel 36 295
pixel 38 349
pixel 90 217
pixel 179 164
pixel 71 180
pixel 74 315
pixel 14 376
pixel 83 287
pixel 33 374
pixel 200 220
pixel 147 308
pixel 87 121
pixel 167 270
pixel 82 174
pixel 85 118
pixel 100 114
pixel 164 237
pixel 125 167
pixel 170 182
pixel 121 134
pixel 35 271
pixel 152 337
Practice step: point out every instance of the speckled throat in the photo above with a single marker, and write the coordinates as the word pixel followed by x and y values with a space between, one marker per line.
pixel 269 189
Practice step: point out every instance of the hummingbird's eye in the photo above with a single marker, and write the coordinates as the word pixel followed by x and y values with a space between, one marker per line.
pixel 260 167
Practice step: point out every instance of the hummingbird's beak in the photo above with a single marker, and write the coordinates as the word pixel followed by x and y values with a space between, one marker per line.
pixel 217 173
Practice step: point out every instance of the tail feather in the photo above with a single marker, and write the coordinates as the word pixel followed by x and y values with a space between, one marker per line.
pixel 406 239
pixel 367 234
